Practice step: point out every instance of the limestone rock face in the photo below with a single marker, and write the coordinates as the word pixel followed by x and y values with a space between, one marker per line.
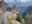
pixel 15 22
pixel 12 17
pixel 15 9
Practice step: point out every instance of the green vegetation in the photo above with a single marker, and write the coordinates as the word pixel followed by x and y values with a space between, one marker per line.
pixel 9 20
pixel 18 18
pixel 28 19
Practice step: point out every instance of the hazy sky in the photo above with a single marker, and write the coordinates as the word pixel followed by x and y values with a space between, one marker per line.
pixel 19 2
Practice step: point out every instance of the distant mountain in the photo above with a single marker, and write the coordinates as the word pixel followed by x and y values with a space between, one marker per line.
pixel 30 9
pixel 24 10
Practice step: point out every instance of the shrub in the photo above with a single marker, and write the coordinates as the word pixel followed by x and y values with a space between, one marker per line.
pixel 28 19
pixel 18 18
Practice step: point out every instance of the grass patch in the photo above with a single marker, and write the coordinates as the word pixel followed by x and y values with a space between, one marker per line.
pixel 9 20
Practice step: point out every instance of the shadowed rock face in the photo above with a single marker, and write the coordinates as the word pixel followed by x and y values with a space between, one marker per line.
pixel 2 6
pixel 1 17
pixel 0 0
pixel 1 11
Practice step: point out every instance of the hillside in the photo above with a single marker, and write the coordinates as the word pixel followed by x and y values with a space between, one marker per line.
pixel 24 10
